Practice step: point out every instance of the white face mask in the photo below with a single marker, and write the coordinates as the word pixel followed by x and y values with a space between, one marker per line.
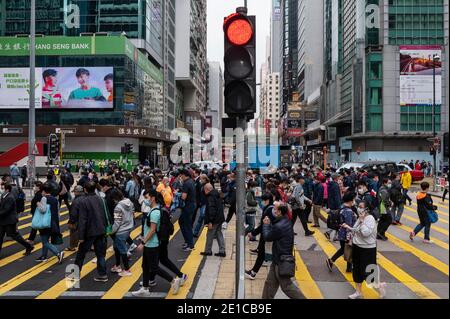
pixel 389 185
pixel 361 211
pixel 361 191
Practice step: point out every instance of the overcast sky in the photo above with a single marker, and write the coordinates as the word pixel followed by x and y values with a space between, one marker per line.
pixel 218 9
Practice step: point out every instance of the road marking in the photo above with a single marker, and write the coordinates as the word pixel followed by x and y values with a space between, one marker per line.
pixel 190 267
pixel 19 255
pixel 29 224
pixel 124 284
pixel 436 228
pixel 76 294
pixel 423 256
pixel 30 273
pixel 304 279
pixel 63 285
pixel 440 217
pixel 421 235
pixel 437 204
pixel 406 279
pixel 341 265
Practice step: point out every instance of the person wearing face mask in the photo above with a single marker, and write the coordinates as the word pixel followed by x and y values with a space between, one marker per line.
pixel 385 209
pixel 9 220
pixel 364 250
pixel 365 195
pixel 267 200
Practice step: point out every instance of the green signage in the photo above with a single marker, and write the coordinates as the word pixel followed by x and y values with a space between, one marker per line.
pixel 74 46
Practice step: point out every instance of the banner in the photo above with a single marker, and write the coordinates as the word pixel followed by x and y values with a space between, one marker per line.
pixel 416 75
pixel 58 88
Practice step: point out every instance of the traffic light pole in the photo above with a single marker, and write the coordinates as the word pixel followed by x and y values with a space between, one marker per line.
pixel 32 112
pixel 241 160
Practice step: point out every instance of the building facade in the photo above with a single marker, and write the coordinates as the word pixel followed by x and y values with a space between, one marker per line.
pixel 215 100
pixel 136 39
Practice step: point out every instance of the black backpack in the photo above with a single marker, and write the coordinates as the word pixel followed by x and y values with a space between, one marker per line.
pixel 166 228
pixel 334 220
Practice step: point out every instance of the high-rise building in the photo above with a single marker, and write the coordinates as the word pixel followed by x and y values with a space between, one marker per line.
pixel 191 61
pixel 276 35
pixel 215 101
pixel 133 40
pixel 378 90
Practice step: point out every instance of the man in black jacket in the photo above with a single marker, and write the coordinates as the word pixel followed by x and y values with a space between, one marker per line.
pixel 281 233
pixel 53 184
pixel 9 220
pixel 91 230
pixel 214 217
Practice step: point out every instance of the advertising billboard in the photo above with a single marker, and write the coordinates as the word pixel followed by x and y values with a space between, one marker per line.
pixel 59 88
pixel 416 75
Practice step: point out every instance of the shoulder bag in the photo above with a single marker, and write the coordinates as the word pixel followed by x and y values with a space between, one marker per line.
pixel 42 220
pixel 109 227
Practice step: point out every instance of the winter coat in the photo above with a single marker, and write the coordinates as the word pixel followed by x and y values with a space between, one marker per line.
pixel 406 180
pixel 8 213
pixel 250 202
pixel 123 217
pixel 91 220
pixel 214 212
pixel 424 204
pixel 334 196
pixel 318 194
pixel 75 210
pixel 267 212
pixel 281 233
pixel 54 209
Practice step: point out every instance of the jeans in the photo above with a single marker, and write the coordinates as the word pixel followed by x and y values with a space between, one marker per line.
pixel 250 221
pixel 405 193
pixel 120 249
pixel 46 246
pixel 99 243
pixel 274 281
pixel 427 230
pixel 216 232
pixel 200 220
pixel 185 222
pixel 397 212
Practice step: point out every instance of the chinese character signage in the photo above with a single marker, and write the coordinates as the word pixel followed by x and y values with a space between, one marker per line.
pixel 416 75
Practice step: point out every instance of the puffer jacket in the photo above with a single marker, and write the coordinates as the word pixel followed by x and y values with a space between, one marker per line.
pixel 123 217
pixel 281 233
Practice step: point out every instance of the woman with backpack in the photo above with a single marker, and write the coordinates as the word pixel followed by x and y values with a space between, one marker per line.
pixel 123 224
pixel 347 217
pixel 155 233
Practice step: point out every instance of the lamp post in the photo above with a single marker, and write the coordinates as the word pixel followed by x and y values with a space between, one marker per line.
pixel 32 111
pixel 436 59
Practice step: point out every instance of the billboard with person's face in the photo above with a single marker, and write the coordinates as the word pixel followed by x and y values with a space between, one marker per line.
pixel 59 88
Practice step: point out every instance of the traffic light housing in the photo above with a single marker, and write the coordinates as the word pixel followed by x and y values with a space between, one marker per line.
pixel 53 147
pixel 126 149
pixel 240 64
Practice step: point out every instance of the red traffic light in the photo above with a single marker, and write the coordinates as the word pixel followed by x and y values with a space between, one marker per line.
pixel 238 29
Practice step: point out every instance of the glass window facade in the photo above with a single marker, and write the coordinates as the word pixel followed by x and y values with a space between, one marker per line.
pixel 140 19
pixel 138 98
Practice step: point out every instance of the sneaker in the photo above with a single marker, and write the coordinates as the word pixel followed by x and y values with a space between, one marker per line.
pixel 254 252
pixel 223 255
pixel 188 249
pixel 116 269
pixel 28 251
pixel 184 245
pixel 129 254
pixel 356 295
pixel 41 259
pixel 176 284
pixel 183 280
pixel 399 224
pixel 142 293
pixel 225 225
pixel 411 236
pixel 94 261
pixel 125 273
pixel 382 290
pixel 250 274
pixel 329 265
pixel 203 253
pixel 428 242
pixel 152 283
pixel 101 279
pixel 60 257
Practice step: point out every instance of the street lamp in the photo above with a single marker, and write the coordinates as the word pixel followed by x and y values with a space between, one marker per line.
pixel 436 59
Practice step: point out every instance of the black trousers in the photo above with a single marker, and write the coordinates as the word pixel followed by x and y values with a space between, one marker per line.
pixel 384 223
pixel 340 253
pixel 150 267
pixel 231 212
pixel 261 256
pixel 11 231
pixel 33 234
pixel 302 215
pixel 165 261
pixel 64 198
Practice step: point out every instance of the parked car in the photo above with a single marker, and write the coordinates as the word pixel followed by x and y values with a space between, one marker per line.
pixel 417 175
pixel 381 167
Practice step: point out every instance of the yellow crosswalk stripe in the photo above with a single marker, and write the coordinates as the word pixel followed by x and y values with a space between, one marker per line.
pixel 19 255
pixel 30 273
pixel 304 279
pixel 423 256
pixel 124 284
pixel 190 267
pixel 340 264
pixel 436 228
pixel 419 289
pixel 421 235
pixel 63 285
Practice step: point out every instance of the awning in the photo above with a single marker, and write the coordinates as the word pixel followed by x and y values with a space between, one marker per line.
pixel 338 117
pixel 314 130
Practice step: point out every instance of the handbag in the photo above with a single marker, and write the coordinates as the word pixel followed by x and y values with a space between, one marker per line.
pixel 348 253
pixel 108 228
pixel 42 220
pixel 286 266
pixel 433 216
